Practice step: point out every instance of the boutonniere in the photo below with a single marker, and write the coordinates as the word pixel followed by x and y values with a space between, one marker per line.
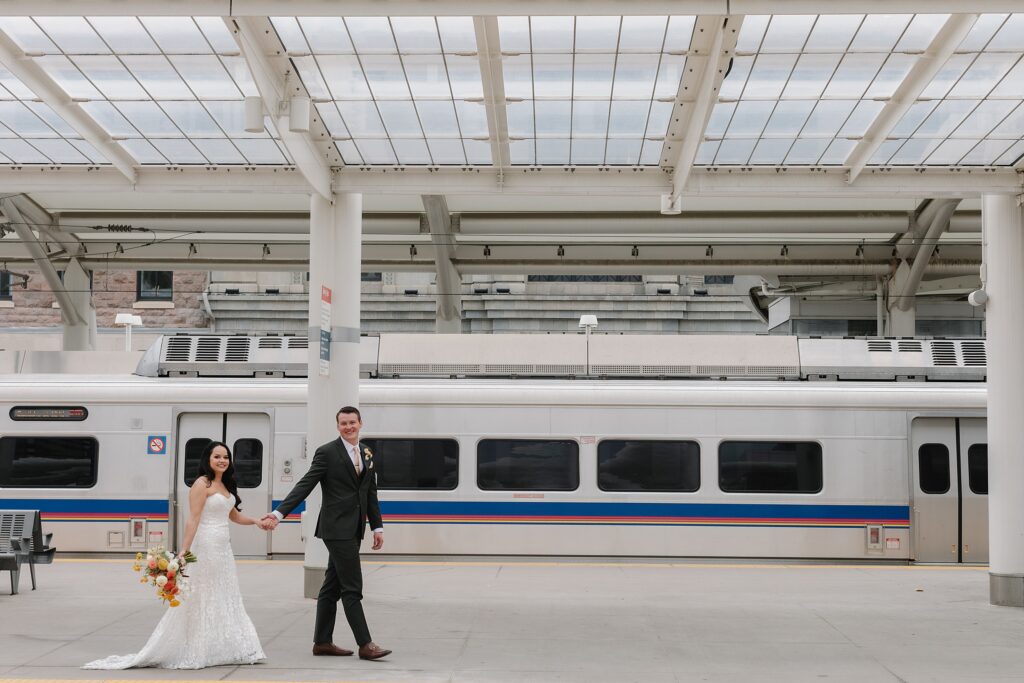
pixel 368 457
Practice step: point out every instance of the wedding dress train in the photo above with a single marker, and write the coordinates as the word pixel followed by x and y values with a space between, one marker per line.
pixel 210 627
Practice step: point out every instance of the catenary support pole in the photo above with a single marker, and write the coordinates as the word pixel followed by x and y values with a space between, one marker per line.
pixel 1003 275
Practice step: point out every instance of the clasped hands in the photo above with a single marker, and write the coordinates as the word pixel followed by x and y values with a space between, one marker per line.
pixel 268 522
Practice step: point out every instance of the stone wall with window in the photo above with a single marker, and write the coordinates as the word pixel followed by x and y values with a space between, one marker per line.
pixel 114 291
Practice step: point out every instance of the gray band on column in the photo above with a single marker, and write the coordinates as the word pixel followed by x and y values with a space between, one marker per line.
pixel 345 335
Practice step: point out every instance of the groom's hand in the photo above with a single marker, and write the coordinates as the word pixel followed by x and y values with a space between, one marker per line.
pixel 268 522
pixel 378 540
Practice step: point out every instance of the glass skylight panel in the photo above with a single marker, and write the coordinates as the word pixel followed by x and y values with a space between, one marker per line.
pixel 590 118
pixel 478 153
pixel 125 35
pixel 678 35
pixel 179 151
pixel 444 151
pixel 514 34
pixel 110 118
pixel 412 151
pixel 1013 84
pixel 23 121
pixel 657 123
pixel 110 77
pixel 750 118
pixel 68 77
pixel 735 151
pixel 457 34
pixel 587 151
pixel 890 76
pixel 854 74
pixel 344 77
pixel 385 75
pixel 833 32
pixel 230 116
pixel 416 34
pixel 650 154
pixel 988 115
pixel 331 118
pixel 238 69
pixel 837 152
pixel 522 152
pixel 948 75
pixel 914 151
pixel 552 117
pixel 916 115
pixel 921 32
pixel 828 117
pixel 362 120
pixel 1012 156
pixel 400 119
pixel 472 118
pixel 217 34
pixel 517 74
pixel 292 36
pixel 376 151
pixel 885 151
pixel 349 152
pixel 1008 36
pixel 732 86
pixel 324 35
pixel 438 118
pixel 592 75
pixel 552 75
pixel 623 151
pixel 635 75
pixel 553 151
pixel 860 120
pixel 520 119
pixel 192 119
pixel 597 34
pixel 787 33
pixel 951 151
pixel 51 118
pixel 789 117
pixel 1012 127
pixel 720 117
pixel 206 76
pixel 669 74
pixel 427 76
pixel 752 32
pixel 311 77
pixel 986 71
pixel 642 34
pixel 371 35
pixel 20 152
pixel 769 76
pixel 14 86
pixel 880 32
pixel 551 34
pixel 985 153
pixel 177 35
pixel 260 151
pixel 945 118
pixel 27 34
pixel 464 76
pixel 143 152
pixel 219 151
pixel 771 151
pixel 807 151
pixel 89 152
pixel 148 119
pixel 157 76
pixel 73 35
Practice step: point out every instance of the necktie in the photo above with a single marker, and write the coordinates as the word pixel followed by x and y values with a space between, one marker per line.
pixel 356 461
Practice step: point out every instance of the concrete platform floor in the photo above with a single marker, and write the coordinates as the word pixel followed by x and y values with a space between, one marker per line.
pixel 511 621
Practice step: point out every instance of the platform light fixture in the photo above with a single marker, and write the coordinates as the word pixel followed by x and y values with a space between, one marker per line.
pixel 253 114
pixel 299 108
pixel 129 321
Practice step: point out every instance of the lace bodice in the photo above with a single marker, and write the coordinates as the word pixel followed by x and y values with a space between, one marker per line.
pixel 211 627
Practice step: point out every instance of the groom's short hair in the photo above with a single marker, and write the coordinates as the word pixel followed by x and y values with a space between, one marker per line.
pixel 350 410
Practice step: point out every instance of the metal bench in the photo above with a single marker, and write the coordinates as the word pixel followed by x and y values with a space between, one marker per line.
pixel 22 541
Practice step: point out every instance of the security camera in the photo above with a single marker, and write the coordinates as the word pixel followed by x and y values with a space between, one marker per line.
pixel 977 298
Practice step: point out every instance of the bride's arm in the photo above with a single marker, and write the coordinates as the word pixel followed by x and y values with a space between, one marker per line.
pixel 196 501
pixel 238 518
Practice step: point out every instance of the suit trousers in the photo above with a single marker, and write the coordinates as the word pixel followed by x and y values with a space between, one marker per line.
pixel 342 581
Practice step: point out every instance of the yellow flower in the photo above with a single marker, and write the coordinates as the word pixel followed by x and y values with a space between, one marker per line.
pixel 138 556
pixel 136 568
pixel 162 564
pixel 175 603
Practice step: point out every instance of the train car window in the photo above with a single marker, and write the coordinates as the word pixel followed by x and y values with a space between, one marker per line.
pixel 933 466
pixel 977 468
pixel 769 467
pixel 248 461
pixel 48 462
pixel 648 465
pixel 418 464
pixel 527 465
pixel 246 456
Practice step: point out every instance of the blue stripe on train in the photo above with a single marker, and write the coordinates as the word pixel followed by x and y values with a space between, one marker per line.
pixel 90 505
pixel 896 513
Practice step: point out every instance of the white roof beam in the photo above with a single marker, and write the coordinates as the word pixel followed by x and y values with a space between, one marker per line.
pixel 942 47
pixel 488 48
pixel 257 41
pixel 707 61
pixel 464 8
pixel 46 89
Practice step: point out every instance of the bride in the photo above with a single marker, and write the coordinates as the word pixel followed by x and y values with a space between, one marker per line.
pixel 211 627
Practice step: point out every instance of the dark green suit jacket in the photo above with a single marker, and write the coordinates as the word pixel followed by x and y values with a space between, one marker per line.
pixel 348 499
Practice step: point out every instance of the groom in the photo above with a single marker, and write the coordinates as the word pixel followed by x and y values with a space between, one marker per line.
pixel 344 470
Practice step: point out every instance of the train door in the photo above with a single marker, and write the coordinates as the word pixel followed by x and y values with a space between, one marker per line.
pixel 950 506
pixel 248 436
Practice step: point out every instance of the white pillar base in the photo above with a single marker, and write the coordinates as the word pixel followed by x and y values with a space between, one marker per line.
pixel 1006 590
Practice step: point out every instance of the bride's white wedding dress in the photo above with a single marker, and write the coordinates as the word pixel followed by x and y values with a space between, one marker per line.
pixel 210 627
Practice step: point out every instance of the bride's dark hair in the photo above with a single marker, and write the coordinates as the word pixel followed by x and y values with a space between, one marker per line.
pixel 228 478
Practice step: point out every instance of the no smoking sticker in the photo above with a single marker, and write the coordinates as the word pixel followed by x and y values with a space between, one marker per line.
pixel 156 445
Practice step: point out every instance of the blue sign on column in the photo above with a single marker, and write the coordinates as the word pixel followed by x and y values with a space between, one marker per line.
pixel 325 347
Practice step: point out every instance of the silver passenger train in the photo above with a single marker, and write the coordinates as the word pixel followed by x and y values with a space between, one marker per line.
pixel 764 447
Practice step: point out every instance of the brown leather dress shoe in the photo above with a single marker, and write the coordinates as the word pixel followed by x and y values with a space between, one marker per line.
pixel 372 651
pixel 332 650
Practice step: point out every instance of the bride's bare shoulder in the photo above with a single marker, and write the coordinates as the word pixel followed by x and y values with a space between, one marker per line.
pixel 201 482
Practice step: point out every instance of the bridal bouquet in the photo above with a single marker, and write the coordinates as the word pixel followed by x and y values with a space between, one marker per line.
pixel 166 571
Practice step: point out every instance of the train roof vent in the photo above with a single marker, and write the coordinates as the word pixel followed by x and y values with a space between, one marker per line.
pixel 298 342
pixel 919 359
pixel 237 350
pixel 270 343
pixel 208 349
pixel 178 348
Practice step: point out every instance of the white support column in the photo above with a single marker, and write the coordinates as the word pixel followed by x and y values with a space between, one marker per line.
pixel 80 336
pixel 335 261
pixel 1003 279
pixel 902 319
pixel 448 319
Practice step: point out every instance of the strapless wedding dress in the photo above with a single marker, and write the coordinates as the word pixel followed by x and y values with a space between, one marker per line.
pixel 210 627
